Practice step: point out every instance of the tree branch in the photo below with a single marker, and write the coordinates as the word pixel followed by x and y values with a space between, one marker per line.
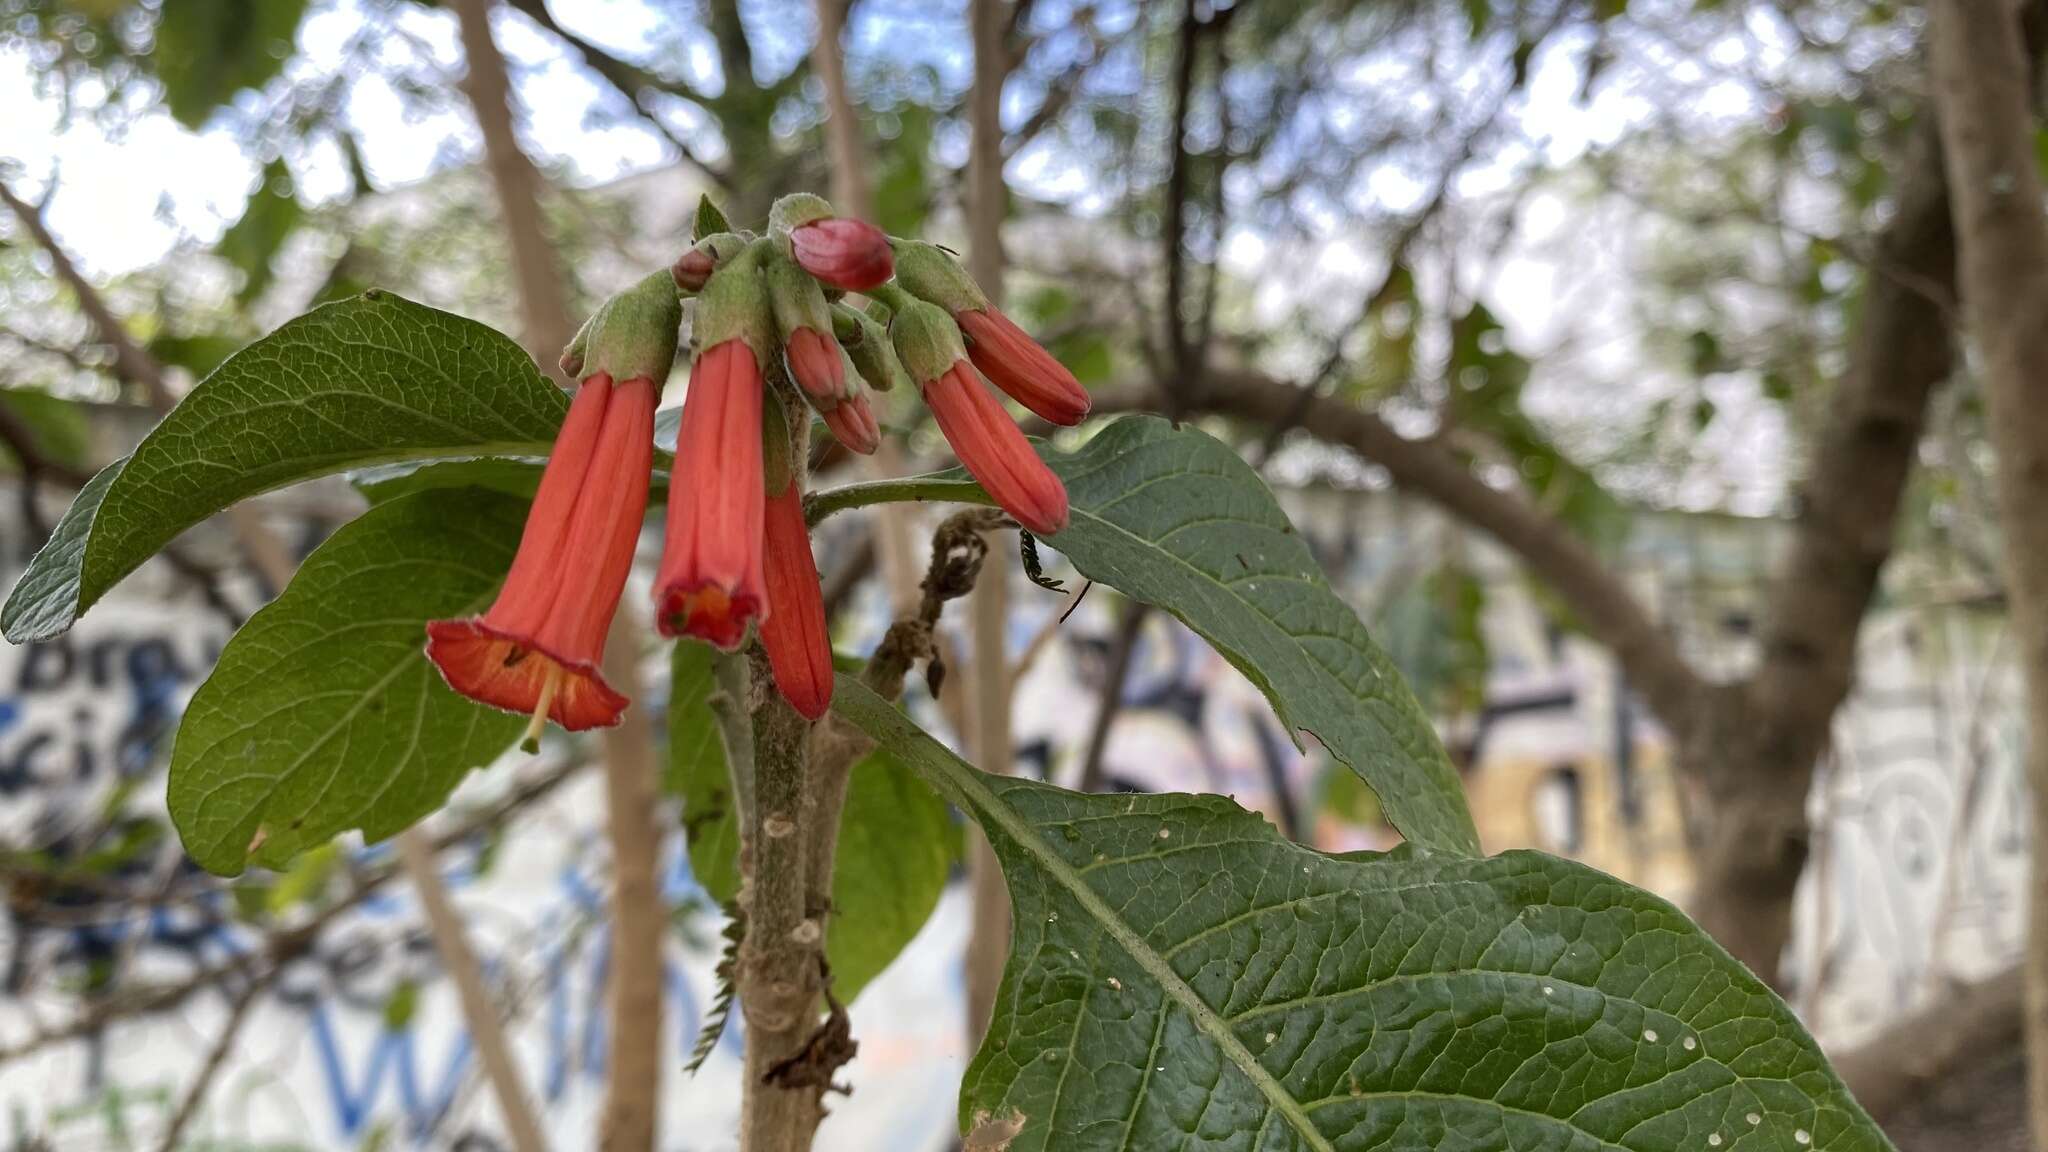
pixel 1920 1052
pixel 631 81
pixel 238 1013
pixel 444 925
pixel 1599 599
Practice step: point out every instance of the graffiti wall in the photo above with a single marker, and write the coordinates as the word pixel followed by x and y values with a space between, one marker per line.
pixel 358 1042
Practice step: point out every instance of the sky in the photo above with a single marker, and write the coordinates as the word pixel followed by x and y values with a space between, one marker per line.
pixel 127 201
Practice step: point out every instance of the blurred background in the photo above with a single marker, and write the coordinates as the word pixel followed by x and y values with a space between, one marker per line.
pixel 1601 350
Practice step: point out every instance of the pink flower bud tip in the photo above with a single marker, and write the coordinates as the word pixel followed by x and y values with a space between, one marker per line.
pixel 851 255
pixel 814 363
pixel 1016 363
pixel 853 424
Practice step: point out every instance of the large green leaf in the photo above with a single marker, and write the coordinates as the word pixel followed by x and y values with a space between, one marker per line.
pixel 1183 977
pixel 1171 516
pixel 896 842
pixel 362 381
pixel 323 713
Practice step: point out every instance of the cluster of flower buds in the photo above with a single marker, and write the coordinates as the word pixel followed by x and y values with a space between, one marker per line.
pixel 771 336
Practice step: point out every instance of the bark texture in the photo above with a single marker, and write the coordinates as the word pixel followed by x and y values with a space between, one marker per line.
pixel 631 1116
pixel 1981 92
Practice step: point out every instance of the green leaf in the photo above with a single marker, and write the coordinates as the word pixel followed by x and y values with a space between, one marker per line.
pixel 710 221
pixel 272 214
pixel 516 476
pixel 59 427
pixel 696 772
pixel 363 381
pixel 897 845
pixel 323 713
pixel 208 50
pixel 1181 975
pixel 1173 517
pixel 896 842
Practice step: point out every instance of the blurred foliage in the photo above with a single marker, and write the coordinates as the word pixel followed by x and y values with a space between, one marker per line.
pixel 209 50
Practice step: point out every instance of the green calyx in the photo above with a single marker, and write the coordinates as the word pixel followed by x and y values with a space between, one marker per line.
pixel 796 210
pixel 631 336
pixel 734 305
pixel 868 348
pixel 780 459
pixel 929 272
pixel 797 300
pixel 927 341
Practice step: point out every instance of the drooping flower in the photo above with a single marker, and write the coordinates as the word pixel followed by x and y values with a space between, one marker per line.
pixel 794 634
pixel 710 584
pixel 537 650
pixel 804 321
pixel 988 442
pixel 1009 357
pixel 1017 364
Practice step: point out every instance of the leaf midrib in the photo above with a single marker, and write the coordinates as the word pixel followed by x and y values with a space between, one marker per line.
pixel 1020 832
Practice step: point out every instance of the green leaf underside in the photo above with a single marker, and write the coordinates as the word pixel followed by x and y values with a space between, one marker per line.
pixel 1172 517
pixel 1183 977
pixel 360 382
pixel 697 774
pixel 897 844
pixel 323 713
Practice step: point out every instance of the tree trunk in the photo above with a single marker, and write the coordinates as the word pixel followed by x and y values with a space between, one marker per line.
pixel 1981 91
pixel 988 942
pixel 639 918
pixel 545 326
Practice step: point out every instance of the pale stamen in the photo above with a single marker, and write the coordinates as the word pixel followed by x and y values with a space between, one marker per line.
pixel 530 743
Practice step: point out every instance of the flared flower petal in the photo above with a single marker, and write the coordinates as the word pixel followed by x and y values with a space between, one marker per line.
pixel 851 255
pixel 537 649
pixel 1014 362
pixel 710 583
pixel 794 635
pixel 995 451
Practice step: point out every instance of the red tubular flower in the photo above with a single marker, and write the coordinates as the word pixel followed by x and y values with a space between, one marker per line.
pixel 853 424
pixel 813 360
pixel 994 451
pixel 709 584
pixel 851 255
pixel 1017 364
pixel 537 649
pixel 793 634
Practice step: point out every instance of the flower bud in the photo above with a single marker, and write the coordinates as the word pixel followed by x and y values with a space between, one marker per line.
pixel 1022 368
pixel 853 424
pixel 994 451
pixel 805 321
pixel 793 632
pixel 693 269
